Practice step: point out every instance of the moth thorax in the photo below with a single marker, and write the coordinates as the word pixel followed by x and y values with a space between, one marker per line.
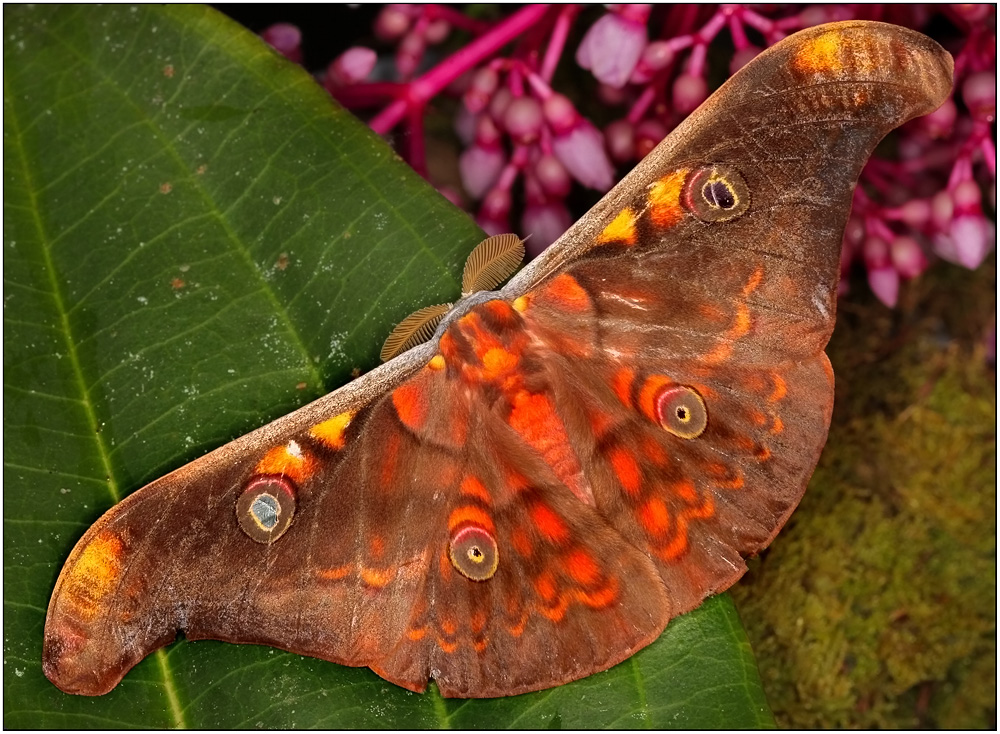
pixel 266 507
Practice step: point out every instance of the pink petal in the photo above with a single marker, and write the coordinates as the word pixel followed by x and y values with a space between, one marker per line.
pixel 480 168
pixel 907 257
pixel 544 223
pixel 582 152
pixel 611 48
pixel 884 283
pixel 286 39
pixel 972 237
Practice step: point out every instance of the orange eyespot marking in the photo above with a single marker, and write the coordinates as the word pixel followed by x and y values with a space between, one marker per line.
pixel 377 546
pixel 95 574
pixel 410 401
pixel 824 53
pixel 549 524
pixel 376 578
pixel 498 362
pixel 780 388
pixel 331 432
pixel 685 489
pixel 778 426
pixel 437 363
pixel 522 542
pixel 648 394
pixel 621 383
pixel 545 585
pixel 755 278
pixel 470 514
pixel 448 626
pixel 335 574
pixel 472 487
pixel 416 634
pixel 521 304
pixel 654 516
pixel 290 460
pixel 621 229
pixel 626 469
pixel 582 567
pixel 566 292
pixel 665 199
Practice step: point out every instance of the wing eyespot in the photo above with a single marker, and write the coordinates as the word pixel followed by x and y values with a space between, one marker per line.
pixel 681 411
pixel 265 508
pixel 716 193
pixel 473 552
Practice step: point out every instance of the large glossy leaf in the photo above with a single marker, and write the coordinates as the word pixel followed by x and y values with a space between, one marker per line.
pixel 196 241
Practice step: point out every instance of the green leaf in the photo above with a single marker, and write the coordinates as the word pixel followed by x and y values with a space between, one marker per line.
pixel 197 241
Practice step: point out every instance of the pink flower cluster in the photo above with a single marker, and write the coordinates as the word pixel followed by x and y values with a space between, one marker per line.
pixel 650 65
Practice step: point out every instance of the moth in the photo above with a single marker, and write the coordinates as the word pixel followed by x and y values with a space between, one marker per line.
pixel 570 461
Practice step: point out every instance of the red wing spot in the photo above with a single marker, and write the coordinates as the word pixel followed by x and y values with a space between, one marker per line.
pixel 522 542
pixel 626 469
pixel 665 199
pixel 376 578
pixel 763 453
pixel 377 546
pixel 502 312
pixel 516 482
pixel 685 490
pixel 545 585
pixel 497 363
pixel 654 517
pixel 470 514
pixel 478 621
pixel 448 626
pixel 757 418
pixel 778 426
pixel 566 292
pixel 600 422
pixel 516 630
pixel 472 487
pixel 480 644
pixel 601 598
pixel 335 574
pixel 582 568
pixel 447 346
pixel 410 401
pixel 741 324
pixel 557 612
pixel 417 634
pixel 718 355
pixel 548 523
pixel 447 647
pixel 621 383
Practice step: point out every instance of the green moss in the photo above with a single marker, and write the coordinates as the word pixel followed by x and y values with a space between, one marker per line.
pixel 876 606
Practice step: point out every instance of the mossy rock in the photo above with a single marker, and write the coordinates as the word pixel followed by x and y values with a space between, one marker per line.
pixel 876 606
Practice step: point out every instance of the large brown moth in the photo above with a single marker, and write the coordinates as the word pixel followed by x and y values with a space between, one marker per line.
pixel 570 461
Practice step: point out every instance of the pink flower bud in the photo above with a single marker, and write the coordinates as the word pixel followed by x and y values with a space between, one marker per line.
pixel 967 198
pixel 884 282
pixel 481 88
pixel 544 223
pixel 286 39
pixel 465 125
pixel 972 12
pixel 973 237
pixel 553 177
pixel 876 252
pixel 498 104
pixel 560 114
pixel 611 96
pixel 351 67
pixel 979 92
pixel 581 150
pixel 907 257
pixel 409 53
pixel 496 205
pixel 451 195
pixel 619 136
pixel 942 209
pixel 612 47
pixel 488 135
pixel 648 134
pixel 940 123
pixel 689 92
pixel 392 22
pixel 480 168
pixel 743 57
pixel 916 213
pixel 437 31
pixel 523 120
